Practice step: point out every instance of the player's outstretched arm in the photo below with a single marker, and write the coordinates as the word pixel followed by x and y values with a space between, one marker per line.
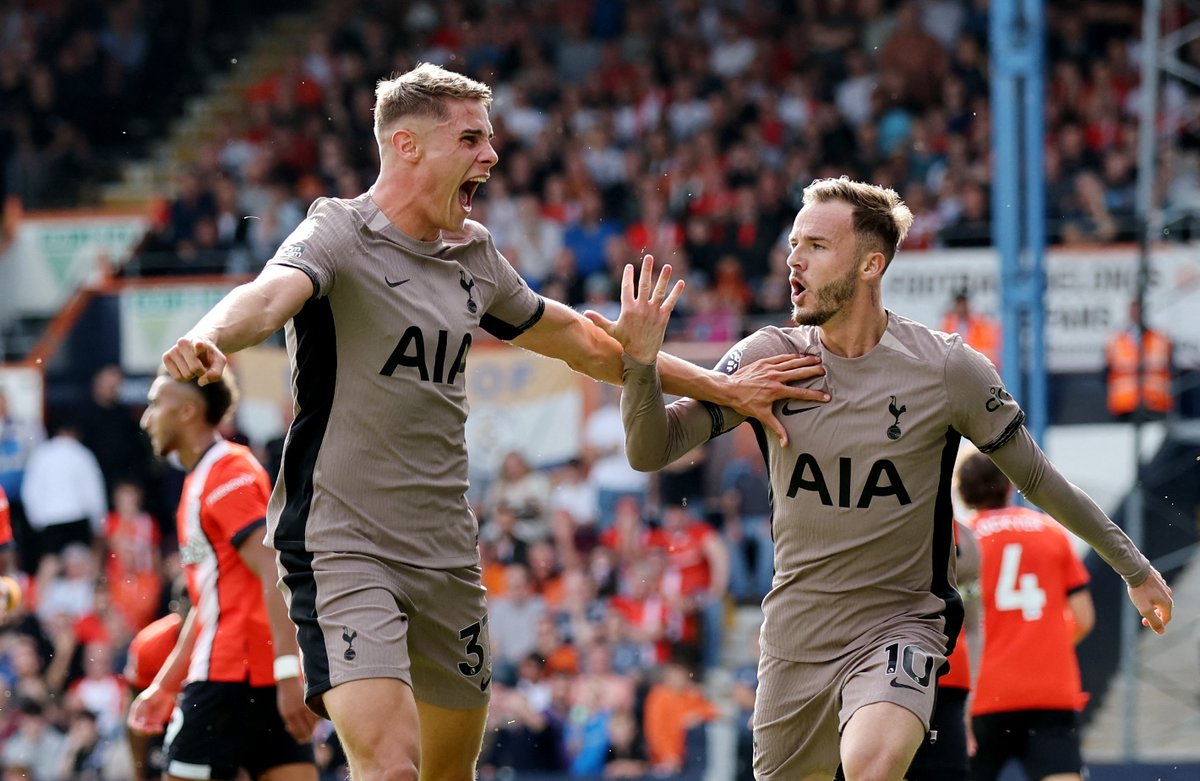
pixel 1039 481
pixel 248 315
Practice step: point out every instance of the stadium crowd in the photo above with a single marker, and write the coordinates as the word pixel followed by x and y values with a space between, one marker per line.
pixel 686 129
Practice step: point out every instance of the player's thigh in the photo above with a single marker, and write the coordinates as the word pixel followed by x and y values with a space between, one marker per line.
pixel 352 620
pixel 377 723
pixel 880 740
pixel 450 741
pixel 448 640
pixel 887 702
pixel 1052 750
pixel 795 720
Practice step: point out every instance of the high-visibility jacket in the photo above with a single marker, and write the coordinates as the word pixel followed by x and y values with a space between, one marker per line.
pixel 979 332
pixel 1121 356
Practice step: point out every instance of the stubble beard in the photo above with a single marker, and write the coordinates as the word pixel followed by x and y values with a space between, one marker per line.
pixel 831 299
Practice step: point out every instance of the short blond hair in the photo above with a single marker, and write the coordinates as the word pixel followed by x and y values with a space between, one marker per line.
pixel 880 219
pixel 423 91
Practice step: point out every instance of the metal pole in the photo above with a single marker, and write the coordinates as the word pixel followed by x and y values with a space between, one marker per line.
pixel 1135 508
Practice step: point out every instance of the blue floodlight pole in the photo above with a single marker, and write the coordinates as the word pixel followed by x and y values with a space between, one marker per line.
pixel 1016 33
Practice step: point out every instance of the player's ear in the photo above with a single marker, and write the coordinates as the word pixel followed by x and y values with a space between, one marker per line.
pixel 406 144
pixel 874 264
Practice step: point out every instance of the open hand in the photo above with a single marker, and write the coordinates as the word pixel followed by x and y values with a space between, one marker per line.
pixel 766 381
pixel 645 311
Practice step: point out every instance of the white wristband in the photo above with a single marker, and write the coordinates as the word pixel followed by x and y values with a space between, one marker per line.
pixel 287 666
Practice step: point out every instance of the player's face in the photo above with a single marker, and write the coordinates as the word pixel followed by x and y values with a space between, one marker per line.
pixel 161 418
pixel 823 262
pixel 458 156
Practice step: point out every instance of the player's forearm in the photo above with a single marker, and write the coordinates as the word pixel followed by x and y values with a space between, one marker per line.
pixel 243 318
pixel 261 561
pixel 172 675
pixel 680 377
pixel 283 631
pixel 973 632
pixel 654 435
pixel 1041 483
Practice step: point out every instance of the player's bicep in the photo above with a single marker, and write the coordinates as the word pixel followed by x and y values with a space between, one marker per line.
pixel 981 408
pixel 282 291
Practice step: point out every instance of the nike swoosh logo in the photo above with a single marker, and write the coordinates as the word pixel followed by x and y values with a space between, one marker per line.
pixel 486 682
pixel 390 283
pixel 787 411
pixel 899 685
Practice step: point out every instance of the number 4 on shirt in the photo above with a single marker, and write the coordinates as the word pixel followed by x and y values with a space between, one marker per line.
pixel 1015 591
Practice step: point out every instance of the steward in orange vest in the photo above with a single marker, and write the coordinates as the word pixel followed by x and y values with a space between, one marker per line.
pixel 1125 397
pixel 980 332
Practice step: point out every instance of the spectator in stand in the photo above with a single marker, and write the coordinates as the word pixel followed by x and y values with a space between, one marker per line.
pixel 626 757
pixel 513 618
pixel 63 492
pixel 979 331
pixel 674 705
pixel 525 492
pixel 133 563
pixel 100 691
pixel 108 427
pixel 916 56
pixel 520 736
pixel 972 226
pixel 37 745
pixel 67 584
pixel 587 235
pixel 1036 605
pixel 610 473
pixel 696 578
pixel 574 506
pixel 746 502
pixel 1139 366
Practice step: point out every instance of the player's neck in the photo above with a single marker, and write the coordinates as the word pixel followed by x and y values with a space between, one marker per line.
pixel 196 445
pixel 402 202
pixel 854 332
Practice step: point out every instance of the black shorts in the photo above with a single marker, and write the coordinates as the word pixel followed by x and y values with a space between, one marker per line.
pixel 943 756
pixel 1045 742
pixel 219 727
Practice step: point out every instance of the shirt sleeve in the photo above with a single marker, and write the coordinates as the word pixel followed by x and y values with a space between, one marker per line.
pixel 982 410
pixel 656 433
pixel 310 247
pixel 1075 575
pixel 1041 483
pixel 514 308
pixel 235 500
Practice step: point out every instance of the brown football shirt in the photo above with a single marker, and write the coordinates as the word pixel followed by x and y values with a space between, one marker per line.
pixel 375 461
pixel 862 517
